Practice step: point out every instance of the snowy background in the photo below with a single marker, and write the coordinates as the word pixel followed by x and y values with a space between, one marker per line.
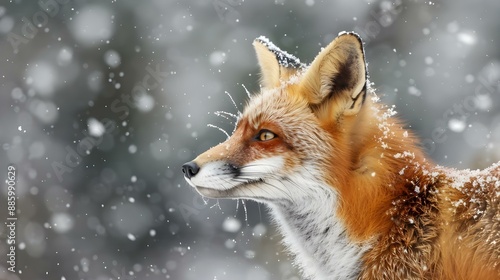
pixel 102 101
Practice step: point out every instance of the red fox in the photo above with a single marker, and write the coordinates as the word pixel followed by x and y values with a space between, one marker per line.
pixel 351 190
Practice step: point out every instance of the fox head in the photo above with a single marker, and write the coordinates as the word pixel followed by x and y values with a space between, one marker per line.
pixel 295 138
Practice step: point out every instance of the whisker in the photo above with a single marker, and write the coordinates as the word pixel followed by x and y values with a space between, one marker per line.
pixel 216 204
pixel 222 130
pixel 282 190
pixel 234 103
pixel 246 211
pixel 225 115
pixel 246 90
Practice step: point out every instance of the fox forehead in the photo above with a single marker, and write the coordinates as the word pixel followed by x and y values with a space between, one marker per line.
pixel 285 112
pixel 280 106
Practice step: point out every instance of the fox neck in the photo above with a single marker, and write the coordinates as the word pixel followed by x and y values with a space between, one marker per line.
pixel 384 158
pixel 314 233
pixel 331 228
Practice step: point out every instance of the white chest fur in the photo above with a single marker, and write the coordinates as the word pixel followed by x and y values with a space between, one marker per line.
pixel 317 237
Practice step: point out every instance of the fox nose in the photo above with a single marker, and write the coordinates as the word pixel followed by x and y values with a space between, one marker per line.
pixel 190 169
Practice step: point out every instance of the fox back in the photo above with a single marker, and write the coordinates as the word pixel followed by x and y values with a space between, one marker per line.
pixel 350 189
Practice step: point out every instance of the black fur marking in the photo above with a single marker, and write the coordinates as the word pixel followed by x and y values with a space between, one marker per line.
pixel 344 79
pixel 361 94
pixel 284 59
pixel 232 169
pixel 327 229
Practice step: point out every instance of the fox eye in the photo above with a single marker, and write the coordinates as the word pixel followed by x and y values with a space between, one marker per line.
pixel 265 135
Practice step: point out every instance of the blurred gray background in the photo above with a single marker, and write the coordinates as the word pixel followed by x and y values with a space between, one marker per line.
pixel 102 101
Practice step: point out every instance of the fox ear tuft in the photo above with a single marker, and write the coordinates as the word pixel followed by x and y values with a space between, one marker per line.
pixel 337 77
pixel 274 63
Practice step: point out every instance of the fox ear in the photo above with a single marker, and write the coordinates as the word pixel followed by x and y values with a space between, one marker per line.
pixel 335 83
pixel 275 64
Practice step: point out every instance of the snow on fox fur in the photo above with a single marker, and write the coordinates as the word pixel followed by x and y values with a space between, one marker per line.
pixel 351 190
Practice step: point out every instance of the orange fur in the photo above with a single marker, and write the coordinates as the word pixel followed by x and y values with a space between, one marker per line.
pixel 418 220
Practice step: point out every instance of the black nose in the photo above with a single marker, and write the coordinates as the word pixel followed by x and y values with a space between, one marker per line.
pixel 190 169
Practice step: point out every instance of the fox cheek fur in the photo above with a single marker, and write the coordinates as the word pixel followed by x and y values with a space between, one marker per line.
pixel 349 188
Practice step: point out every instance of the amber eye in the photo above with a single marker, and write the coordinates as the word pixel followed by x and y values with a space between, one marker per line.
pixel 265 135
